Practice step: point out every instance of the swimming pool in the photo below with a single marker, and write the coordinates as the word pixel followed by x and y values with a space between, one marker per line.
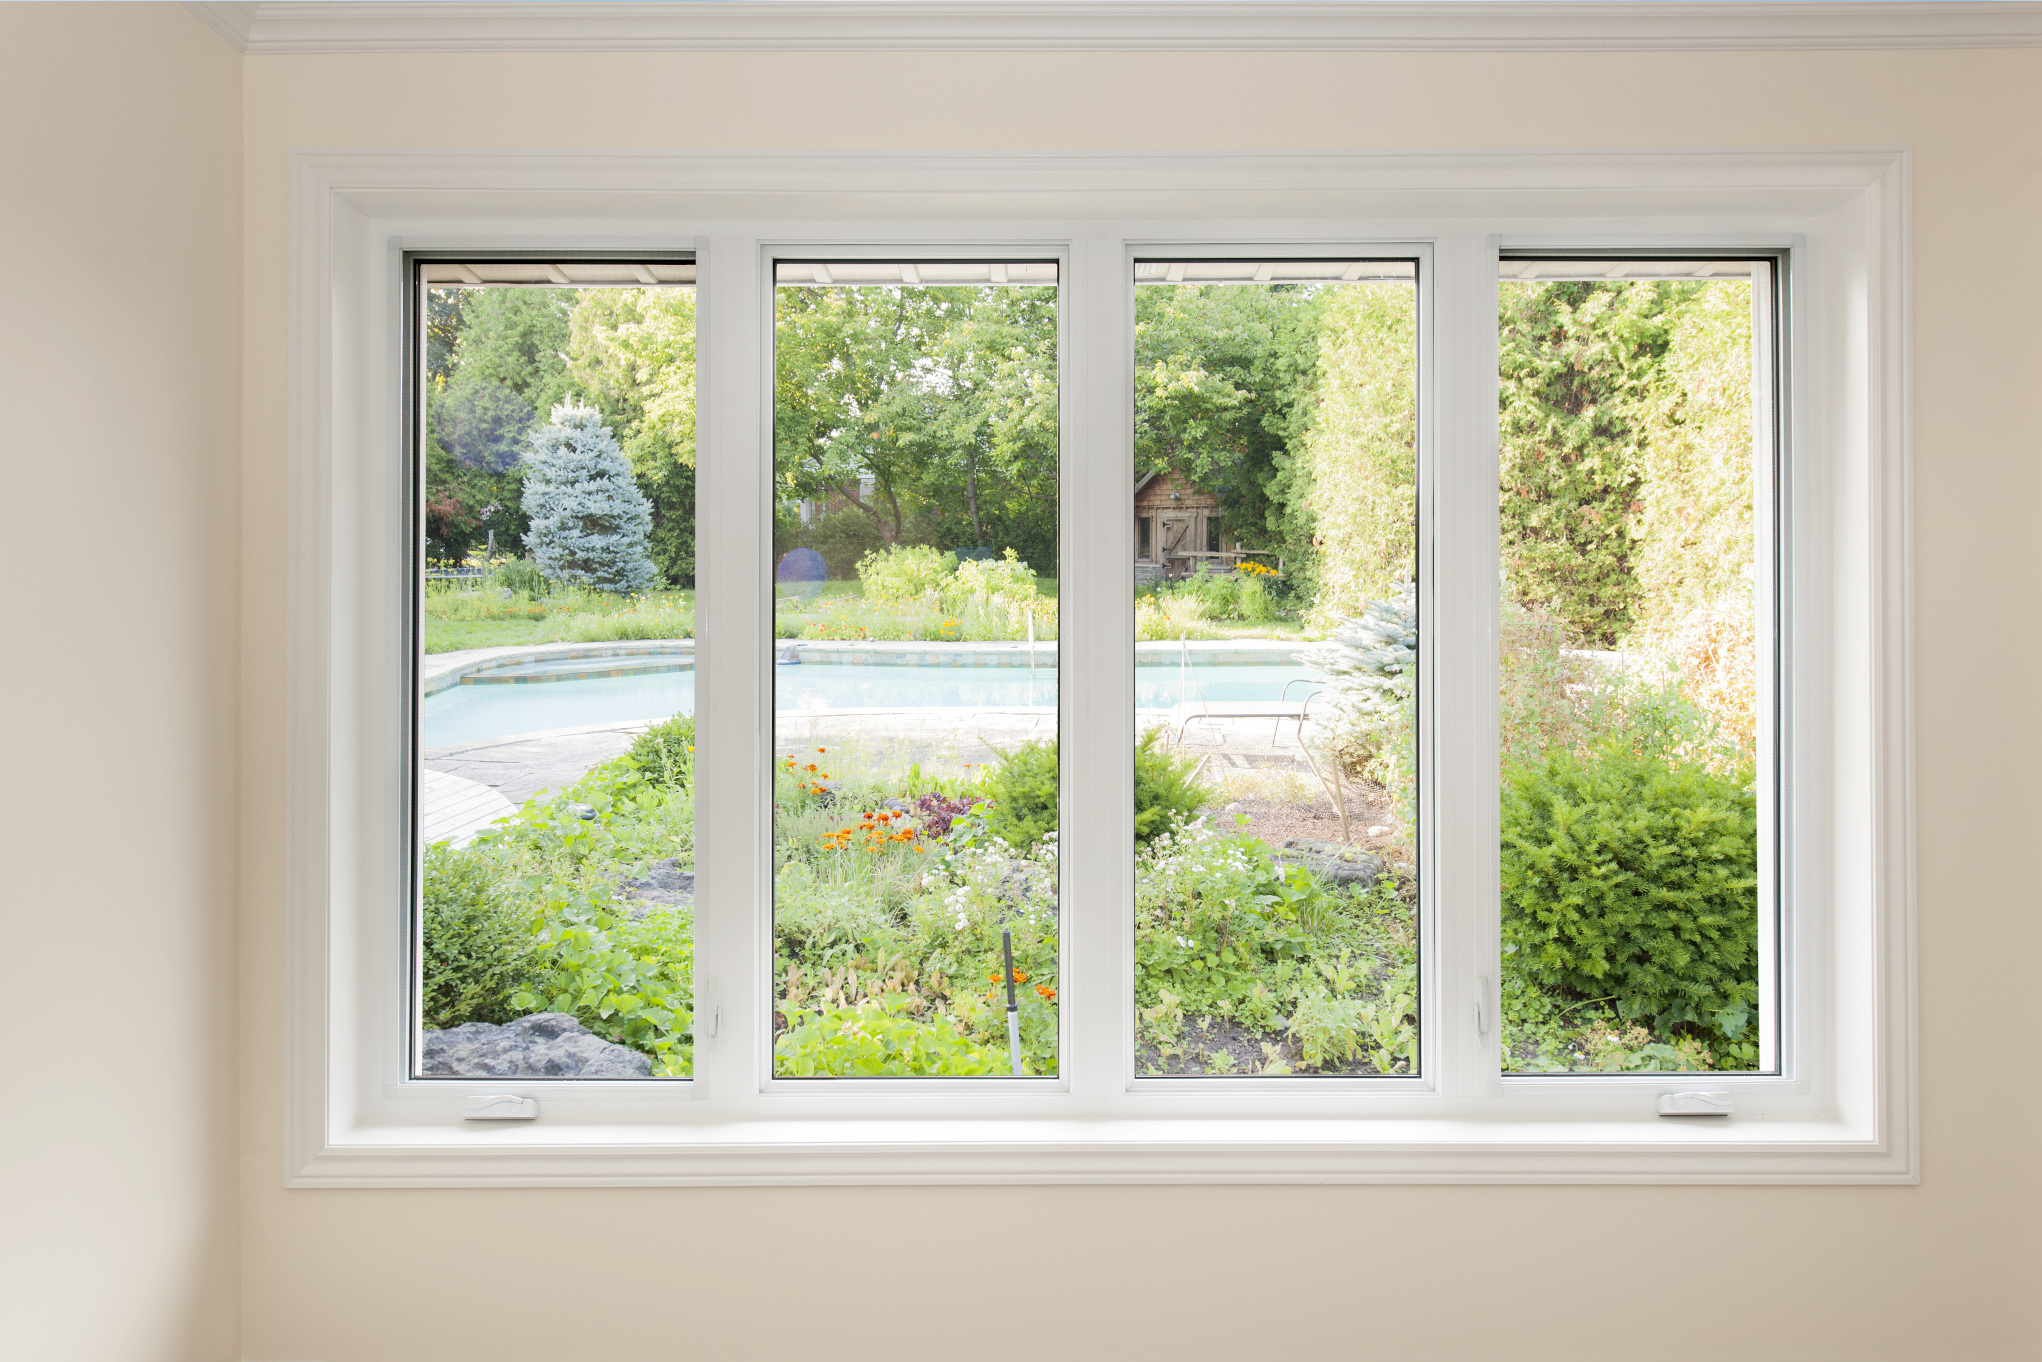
pixel 476 713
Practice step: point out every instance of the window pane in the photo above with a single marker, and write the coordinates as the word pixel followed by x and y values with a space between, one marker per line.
pixel 1635 457
pixel 556 439
pixel 915 687
pixel 1276 632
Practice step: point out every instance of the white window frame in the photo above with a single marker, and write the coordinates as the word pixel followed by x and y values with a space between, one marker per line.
pixel 1842 1110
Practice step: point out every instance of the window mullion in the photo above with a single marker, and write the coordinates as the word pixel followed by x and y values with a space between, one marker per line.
pixel 733 690
pixel 1097 659
pixel 1457 500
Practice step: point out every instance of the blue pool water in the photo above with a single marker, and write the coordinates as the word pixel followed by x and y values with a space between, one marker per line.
pixel 472 713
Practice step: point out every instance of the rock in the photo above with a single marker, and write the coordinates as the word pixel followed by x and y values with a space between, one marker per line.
pixel 544 1045
pixel 1377 830
pixel 664 884
pixel 582 811
pixel 1330 860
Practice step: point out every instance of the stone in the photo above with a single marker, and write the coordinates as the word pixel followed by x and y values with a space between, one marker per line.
pixel 544 1045
pixel 664 884
pixel 582 811
pixel 1331 861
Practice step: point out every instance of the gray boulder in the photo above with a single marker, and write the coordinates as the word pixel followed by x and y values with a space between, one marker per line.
pixel 544 1045
pixel 664 884
pixel 1331 861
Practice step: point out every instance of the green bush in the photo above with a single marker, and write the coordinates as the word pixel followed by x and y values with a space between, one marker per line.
pixel 905 572
pixel 476 951
pixel 521 575
pixel 842 538
pixel 1165 791
pixel 1021 792
pixel 873 1040
pixel 1633 878
pixel 665 753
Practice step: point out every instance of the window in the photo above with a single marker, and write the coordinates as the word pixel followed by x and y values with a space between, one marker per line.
pixel 915 677
pixel 554 449
pixel 1431 1095
pixel 1276 899
pixel 1638 712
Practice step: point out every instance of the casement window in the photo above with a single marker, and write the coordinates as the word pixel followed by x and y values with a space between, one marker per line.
pixel 1165 690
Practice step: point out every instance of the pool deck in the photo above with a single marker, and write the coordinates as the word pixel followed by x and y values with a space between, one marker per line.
pixel 452 809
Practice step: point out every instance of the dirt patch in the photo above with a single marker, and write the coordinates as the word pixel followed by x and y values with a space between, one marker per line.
pixel 1276 822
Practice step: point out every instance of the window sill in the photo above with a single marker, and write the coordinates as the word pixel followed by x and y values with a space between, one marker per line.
pixel 555 1152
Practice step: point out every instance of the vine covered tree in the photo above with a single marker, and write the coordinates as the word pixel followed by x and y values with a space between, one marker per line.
pixel 589 521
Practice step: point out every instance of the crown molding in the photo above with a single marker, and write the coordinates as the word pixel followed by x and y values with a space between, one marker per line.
pixel 300 26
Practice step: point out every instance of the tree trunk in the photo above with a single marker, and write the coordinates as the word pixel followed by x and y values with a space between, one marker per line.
pixel 971 500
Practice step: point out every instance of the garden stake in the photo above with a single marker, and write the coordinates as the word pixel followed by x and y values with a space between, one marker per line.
pixel 1013 1011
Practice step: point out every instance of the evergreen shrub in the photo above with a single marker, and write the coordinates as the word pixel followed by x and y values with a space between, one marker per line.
pixel 476 951
pixel 1634 878
pixel 589 522
pixel 1021 792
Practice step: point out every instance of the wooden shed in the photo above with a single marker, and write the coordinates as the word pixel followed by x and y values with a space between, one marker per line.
pixel 1176 527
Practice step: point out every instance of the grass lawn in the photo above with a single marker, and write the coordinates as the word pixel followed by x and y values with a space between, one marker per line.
pixel 456 620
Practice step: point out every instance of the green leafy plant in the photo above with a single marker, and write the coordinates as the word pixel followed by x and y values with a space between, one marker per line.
pixel 638 998
pixel 1632 877
pixel 665 753
pixel 476 952
pixel 876 1039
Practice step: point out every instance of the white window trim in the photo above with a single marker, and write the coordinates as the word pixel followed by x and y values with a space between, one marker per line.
pixel 1843 1112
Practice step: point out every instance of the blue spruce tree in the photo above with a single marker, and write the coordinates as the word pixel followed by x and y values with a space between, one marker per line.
pixel 590 522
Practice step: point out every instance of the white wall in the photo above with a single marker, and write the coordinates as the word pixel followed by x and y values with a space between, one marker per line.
pixel 1514 1273
pixel 1944 1270
pixel 120 418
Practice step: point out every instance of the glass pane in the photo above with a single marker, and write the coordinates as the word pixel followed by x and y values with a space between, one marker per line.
pixel 556 665
pixel 1635 647
pixel 915 792
pixel 1275 618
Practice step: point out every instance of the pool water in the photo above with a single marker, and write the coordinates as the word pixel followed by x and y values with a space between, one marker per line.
pixel 477 713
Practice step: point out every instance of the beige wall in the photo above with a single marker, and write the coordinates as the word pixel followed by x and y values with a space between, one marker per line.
pixel 126 1216
pixel 120 418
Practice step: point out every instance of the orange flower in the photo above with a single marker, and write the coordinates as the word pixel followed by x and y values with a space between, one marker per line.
pixel 1048 993
pixel 822 749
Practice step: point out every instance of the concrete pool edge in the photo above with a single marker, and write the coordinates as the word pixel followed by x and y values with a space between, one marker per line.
pixel 442 671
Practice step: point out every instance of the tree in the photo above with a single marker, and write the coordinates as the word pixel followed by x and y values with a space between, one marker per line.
pixel 1358 473
pixel 633 352
pixel 589 521
pixel 495 359
pixel 1576 366
pixel 1223 381
pixel 943 396
pixel 518 338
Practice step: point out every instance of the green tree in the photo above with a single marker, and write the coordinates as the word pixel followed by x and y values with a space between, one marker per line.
pixel 1357 476
pixel 1224 376
pixel 633 352
pixel 1577 361
pixel 496 358
pixel 944 397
